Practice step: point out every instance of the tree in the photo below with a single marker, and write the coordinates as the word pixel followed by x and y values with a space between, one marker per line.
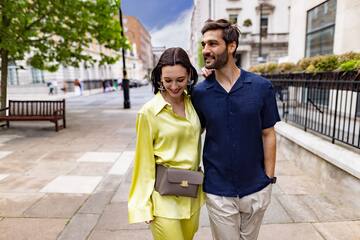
pixel 55 32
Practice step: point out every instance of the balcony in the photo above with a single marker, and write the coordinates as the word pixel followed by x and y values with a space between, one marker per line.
pixel 251 38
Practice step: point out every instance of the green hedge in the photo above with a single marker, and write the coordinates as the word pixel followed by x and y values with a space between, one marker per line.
pixel 344 62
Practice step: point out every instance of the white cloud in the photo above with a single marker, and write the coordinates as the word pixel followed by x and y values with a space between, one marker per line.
pixel 174 34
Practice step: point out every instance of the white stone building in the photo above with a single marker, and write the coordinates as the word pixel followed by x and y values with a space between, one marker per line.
pixel 319 27
pixel 21 73
pixel 274 15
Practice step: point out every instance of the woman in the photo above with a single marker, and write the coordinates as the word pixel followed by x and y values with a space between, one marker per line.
pixel 168 133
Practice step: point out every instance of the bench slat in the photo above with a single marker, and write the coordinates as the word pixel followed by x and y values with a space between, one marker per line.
pixel 36 110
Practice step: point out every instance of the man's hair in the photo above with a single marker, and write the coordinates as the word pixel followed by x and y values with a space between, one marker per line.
pixel 230 31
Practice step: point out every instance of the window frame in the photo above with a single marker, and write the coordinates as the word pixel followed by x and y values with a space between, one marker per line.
pixel 321 29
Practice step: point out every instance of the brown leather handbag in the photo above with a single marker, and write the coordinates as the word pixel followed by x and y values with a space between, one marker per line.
pixel 177 182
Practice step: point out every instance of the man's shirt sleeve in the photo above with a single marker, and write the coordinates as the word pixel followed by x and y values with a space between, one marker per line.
pixel 269 112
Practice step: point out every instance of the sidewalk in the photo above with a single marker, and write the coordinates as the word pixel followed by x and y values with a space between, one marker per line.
pixel 42 93
pixel 74 184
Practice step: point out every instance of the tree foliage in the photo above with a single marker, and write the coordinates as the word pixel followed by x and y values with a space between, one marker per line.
pixel 53 32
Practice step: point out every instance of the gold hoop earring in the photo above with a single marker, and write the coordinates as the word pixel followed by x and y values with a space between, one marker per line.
pixel 161 87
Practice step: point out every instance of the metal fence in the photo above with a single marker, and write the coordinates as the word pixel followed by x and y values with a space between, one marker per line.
pixel 327 103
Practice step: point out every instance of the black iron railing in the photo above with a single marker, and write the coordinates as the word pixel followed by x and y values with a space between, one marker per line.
pixel 327 103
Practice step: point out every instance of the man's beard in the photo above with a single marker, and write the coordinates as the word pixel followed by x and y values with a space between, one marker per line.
pixel 219 61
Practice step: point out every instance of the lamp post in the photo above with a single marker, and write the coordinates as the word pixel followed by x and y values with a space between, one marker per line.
pixel 125 81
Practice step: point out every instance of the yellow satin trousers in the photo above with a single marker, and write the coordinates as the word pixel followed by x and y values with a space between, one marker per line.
pixel 175 229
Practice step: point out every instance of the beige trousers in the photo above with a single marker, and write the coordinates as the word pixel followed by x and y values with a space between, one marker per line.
pixel 234 218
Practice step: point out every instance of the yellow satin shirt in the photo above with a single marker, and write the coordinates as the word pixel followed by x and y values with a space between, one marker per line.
pixel 173 141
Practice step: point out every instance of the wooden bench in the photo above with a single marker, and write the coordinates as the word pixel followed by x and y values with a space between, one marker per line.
pixel 35 110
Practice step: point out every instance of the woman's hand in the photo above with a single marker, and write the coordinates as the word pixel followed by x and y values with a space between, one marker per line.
pixel 207 72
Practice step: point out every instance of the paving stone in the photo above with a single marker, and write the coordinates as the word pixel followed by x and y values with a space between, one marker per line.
pixel 23 183
pixel 14 204
pixel 90 169
pixel 113 146
pixel 30 228
pixel 79 227
pixel 122 164
pixel 276 213
pixel 349 230
pixel 297 209
pixel 56 206
pixel 298 185
pixel 276 190
pixel 52 169
pixel 287 168
pixel 96 203
pixel 11 167
pixel 26 155
pixel 293 231
pixel 6 138
pixel 3 176
pixel 4 154
pixel 346 202
pixel 72 184
pixel 115 218
pixel 121 235
pixel 122 193
pixel 61 156
pixel 99 157
pixel 323 208
pixel 110 183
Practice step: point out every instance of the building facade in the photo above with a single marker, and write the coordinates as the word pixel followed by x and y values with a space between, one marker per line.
pixel 268 17
pixel 20 73
pixel 319 27
pixel 138 35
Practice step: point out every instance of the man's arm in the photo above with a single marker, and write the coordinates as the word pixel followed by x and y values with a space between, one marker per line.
pixel 269 144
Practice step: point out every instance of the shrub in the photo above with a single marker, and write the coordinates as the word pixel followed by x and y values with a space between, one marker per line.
pixel 348 56
pixel 286 67
pixel 310 69
pixel 349 65
pixel 271 67
pixel 304 63
pixel 247 23
pixel 326 63
pixel 344 62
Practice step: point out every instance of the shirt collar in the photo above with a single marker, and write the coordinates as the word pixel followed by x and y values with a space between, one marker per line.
pixel 160 102
pixel 210 81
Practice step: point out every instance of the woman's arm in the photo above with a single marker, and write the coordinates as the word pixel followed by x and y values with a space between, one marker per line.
pixel 143 178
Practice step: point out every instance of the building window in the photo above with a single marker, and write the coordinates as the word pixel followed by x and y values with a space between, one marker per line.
pixel 264 23
pixel 233 18
pixel 12 74
pixel 37 76
pixel 320 29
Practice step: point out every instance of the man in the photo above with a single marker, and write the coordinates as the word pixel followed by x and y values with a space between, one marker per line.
pixel 238 110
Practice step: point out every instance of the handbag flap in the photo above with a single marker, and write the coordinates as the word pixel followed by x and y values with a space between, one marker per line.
pixel 179 175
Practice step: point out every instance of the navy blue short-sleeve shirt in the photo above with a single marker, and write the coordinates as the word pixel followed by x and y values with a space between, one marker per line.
pixel 233 153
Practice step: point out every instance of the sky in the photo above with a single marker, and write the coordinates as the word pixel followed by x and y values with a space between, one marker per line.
pixel 168 21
